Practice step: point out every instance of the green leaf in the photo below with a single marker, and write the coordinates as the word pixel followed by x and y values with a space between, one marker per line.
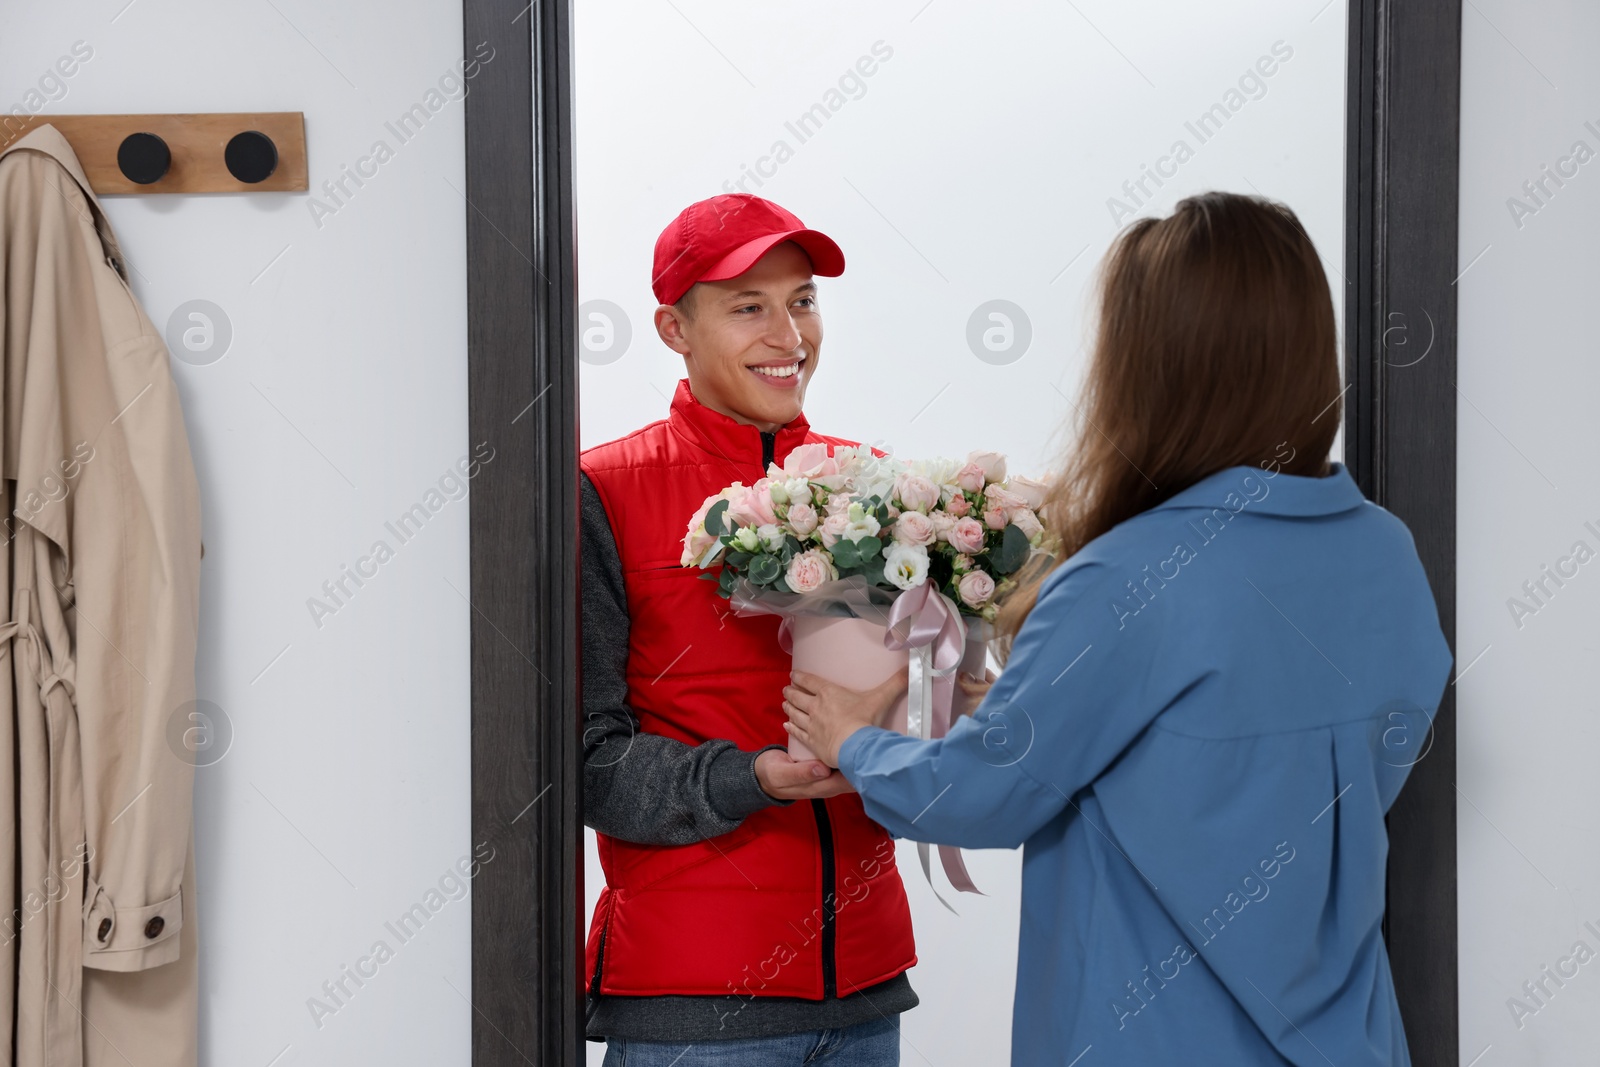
pixel 709 576
pixel 763 569
pixel 781 585
pixel 868 547
pixel 882 514
pixel 1013 551
pixel 737 558
pixel 793 543
pixel 845 553
pixel 715 526
pixel 873 572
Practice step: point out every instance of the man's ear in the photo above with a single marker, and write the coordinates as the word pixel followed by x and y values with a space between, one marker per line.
pixel 670 328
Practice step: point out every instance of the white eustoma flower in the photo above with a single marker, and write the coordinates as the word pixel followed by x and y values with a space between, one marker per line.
pixel 771 536
pixel 905 566
pixel 798 490
pixel 861 524
pixel 747 539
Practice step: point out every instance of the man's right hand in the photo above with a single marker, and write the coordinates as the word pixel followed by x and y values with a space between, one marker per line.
pixel 783 778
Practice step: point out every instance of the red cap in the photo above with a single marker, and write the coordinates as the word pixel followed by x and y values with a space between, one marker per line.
pixel 722 237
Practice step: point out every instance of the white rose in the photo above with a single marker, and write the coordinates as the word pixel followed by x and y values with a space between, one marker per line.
pixel 771 536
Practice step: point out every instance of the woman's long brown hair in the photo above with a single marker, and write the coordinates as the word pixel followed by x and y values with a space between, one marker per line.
pixel 1215 348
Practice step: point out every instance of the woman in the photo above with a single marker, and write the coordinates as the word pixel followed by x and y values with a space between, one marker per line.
pixel 1210 698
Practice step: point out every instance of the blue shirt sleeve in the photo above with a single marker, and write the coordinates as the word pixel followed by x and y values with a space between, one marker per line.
pixel 1077 689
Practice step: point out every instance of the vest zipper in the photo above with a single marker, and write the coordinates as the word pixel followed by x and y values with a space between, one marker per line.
pixel 593 998
pixel 769 442
pixel 830 979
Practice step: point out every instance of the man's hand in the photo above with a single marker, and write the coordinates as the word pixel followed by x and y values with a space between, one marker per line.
pixel 783 778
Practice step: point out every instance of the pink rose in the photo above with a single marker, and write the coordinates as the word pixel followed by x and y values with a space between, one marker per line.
pixel 942 521
pixel 975 588
pixel 754 507
pixel 1030 490
pixel 959 506
pixel 997 497
pixel 802 518
pixel 967 536
pixel 970 477
pixel 810 461
pixel 696 541
pixel 916 492
pixel 914 528
pixel 993 464
pixel 963 562
pixel 833 528
pixel 1025 520
pixel 808 570
pixel 995 518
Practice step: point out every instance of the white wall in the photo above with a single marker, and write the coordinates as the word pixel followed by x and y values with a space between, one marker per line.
pixel 974 164
pixel 340 401
pixel 1529 802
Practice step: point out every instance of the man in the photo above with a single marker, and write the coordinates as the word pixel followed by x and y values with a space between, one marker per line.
pixel 751 908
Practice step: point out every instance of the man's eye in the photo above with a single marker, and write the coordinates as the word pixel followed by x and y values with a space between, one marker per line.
pixel 747 307
pixel 808 301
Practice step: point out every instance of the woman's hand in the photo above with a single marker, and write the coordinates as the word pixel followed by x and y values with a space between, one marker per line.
pixel 822 713
pixel 974 686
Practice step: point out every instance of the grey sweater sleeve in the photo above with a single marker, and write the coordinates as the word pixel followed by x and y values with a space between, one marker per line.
pixel 637 786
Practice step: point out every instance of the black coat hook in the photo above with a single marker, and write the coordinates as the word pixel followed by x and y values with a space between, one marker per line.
pixel 251 156
pixel 143 158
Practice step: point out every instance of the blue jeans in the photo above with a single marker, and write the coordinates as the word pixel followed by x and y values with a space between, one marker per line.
pixel 869 1044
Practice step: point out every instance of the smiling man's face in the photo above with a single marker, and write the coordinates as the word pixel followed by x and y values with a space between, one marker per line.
pixel 750 343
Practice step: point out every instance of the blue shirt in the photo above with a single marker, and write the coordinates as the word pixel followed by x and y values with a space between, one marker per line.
pixel 1195 738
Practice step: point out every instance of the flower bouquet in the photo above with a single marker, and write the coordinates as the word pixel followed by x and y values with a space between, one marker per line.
pixel 876 565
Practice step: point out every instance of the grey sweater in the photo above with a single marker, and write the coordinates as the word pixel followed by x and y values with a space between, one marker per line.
pixel 652 789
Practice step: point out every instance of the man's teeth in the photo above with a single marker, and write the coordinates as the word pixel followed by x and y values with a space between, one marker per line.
pixel 778 372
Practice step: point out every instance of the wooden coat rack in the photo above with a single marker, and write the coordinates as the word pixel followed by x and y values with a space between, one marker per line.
pixel 242 152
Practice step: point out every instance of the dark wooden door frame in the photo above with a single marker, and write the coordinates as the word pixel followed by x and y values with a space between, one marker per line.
pixel 522 371
pixel 1402 153
pixel 1400 269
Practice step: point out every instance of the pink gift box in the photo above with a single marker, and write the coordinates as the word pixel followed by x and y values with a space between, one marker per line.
pixel 850 652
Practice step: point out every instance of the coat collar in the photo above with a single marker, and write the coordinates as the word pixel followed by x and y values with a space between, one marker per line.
pixel 725 436
pixel 48 140
pixel 1272 494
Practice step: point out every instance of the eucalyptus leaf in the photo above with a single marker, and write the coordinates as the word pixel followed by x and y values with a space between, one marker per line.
pixel 763 569
pixel 845 553
pixel 715 526
pixel 1013 551
pixel 868 547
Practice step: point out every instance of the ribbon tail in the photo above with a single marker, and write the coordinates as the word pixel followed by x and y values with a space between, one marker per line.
pixel 927 872
pixel 955 869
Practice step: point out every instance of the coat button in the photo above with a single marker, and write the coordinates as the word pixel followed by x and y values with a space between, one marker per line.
pixel 154 926
pixel 105 929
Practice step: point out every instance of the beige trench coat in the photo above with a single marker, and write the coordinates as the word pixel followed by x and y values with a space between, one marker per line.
pixel 100 559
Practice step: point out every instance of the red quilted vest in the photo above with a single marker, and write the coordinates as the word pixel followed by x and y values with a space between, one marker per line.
pixel 802 900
